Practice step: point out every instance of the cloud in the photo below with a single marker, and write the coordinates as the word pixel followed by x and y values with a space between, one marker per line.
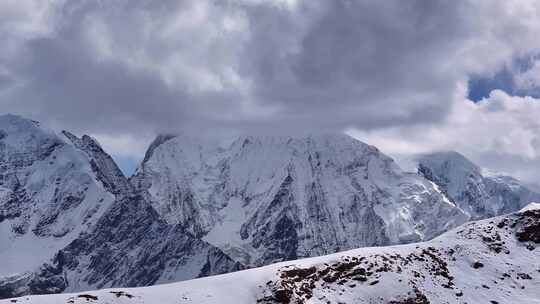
pixel 501 132
pixel 126 70
pixel 529 80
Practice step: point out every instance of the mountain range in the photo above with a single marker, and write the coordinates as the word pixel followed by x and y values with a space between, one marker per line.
pixel 71 221
pixel 488 261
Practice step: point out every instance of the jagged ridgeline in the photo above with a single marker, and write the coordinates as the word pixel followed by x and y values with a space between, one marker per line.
pixel 477 193
pixel 268 199
pixel 489 261
pixel 70 220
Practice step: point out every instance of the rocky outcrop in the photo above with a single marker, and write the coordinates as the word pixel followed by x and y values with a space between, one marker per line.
pixel 461 266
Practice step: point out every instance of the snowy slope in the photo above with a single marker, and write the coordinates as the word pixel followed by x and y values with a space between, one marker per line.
pixel 489 261
pixel 49 193
pixel 130 246
pixel 267 199
pixel 70 220
pixel 479 194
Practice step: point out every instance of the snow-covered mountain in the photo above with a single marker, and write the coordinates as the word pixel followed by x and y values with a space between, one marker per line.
pixel 489 261
pixel 479 194
pixel 70 220
pixel 267 199
pixel 50 192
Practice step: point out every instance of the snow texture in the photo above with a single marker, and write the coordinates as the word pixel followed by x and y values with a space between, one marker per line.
pixel 265 199
pixel 70 220
pixel 478 194
pixel 488 261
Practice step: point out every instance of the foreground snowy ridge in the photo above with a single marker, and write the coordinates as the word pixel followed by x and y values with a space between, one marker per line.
pixel 490 261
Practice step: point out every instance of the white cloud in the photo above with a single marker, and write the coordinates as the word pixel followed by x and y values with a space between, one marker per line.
pixel 394 69
pixel 529 80
pixel 500 132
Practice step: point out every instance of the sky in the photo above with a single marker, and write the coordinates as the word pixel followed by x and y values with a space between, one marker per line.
pixel 407 76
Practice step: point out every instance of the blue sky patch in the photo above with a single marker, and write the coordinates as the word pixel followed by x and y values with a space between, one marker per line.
pixel 126 164
pixel 480 87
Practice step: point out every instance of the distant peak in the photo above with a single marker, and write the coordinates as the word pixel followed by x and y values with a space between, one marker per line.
pixel 16 120
pixel 456 159
pixel 290 139
pixel 10 116
pixel 22 134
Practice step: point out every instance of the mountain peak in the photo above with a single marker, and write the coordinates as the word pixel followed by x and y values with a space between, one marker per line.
pixel 16 120
pixel 322 137
pixel 449 160
pixel 283 197
pixel 62 198
pixel 480 195
pixel 24 135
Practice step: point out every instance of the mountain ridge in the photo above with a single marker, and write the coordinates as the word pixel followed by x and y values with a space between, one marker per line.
pixel 487 261
pixel 480 195
pixel 195 207
pixel 291 192
pixel 72 221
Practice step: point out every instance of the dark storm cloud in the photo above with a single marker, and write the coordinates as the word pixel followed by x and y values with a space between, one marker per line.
pixel 117 67
pixel 358 57
pixel 69 85
pixel 64 80
pixel 351 58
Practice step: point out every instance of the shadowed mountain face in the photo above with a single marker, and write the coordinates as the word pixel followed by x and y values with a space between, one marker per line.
pixel 479 195
pixel 267 199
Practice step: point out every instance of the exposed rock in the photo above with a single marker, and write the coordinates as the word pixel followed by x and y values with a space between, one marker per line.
pixel 291 197
pixel 106 234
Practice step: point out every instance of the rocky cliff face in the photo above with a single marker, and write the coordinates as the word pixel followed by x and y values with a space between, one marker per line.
pixel 479 195
pixel 268 199
pixel 70 220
